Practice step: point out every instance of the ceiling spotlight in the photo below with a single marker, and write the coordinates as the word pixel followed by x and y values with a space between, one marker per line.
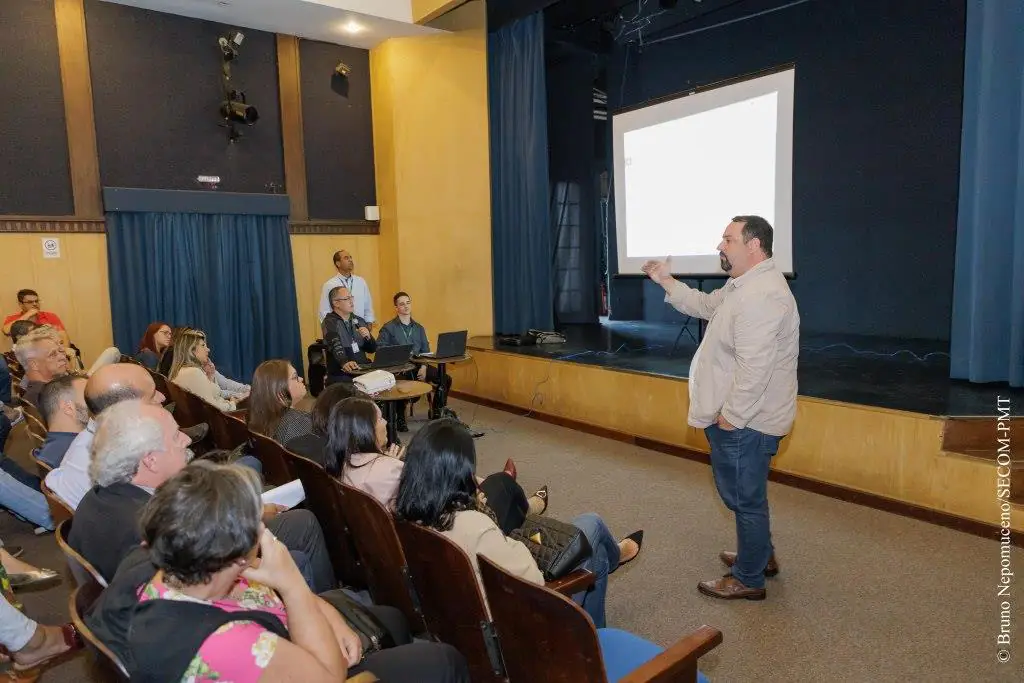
pixel 343 69
pixel 352 27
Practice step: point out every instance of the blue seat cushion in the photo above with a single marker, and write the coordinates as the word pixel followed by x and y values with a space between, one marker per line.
pixel 624 652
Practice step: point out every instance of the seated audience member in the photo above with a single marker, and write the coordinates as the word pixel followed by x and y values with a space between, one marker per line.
pixel 42 359
pixel 402 329
pixel 191 353
pixel 154 342
pixel 313 445
pixel 202 533
pixel 138 447
pixel 346 336
pixel 357 435
pixel 29 302
pixel 32 647
pixel 439 490
pixel 110 385
pixel 62 405
pixel 229 388
pixel 20 495
pixel 20 328
pixel 276 388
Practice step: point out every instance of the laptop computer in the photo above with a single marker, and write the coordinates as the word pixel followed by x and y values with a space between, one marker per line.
pixel 389 357
pixel 449 345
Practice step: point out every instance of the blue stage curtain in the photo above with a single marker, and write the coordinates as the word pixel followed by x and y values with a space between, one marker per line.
pixel 988 294
pixel 229 275
pixel 520 222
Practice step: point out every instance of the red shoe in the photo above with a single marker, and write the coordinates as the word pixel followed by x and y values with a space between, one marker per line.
pixel 510 468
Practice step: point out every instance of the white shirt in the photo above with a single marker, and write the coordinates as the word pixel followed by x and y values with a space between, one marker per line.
pixel 71 480
pixel 361 301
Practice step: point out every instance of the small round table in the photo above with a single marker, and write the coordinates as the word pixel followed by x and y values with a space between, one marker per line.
pixel 441 394
pixel 404 390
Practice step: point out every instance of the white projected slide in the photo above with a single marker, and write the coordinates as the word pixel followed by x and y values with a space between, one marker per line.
pixel 685 167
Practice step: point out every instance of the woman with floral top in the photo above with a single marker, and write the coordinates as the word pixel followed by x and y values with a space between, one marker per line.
pixel 224 600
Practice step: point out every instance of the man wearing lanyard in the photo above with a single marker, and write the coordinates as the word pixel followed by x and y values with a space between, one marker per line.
pixel 362 304
pixel 402 329
pixel 347 337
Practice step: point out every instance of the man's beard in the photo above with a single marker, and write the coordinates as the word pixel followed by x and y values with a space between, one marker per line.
pixel 724 261
pixel 81 415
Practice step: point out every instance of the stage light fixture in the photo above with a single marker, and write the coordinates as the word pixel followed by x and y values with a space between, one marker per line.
pixel 235 109
pixel 343 69
pixel 230 43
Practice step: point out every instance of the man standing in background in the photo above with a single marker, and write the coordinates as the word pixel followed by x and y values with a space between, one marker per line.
pixel 743 389
pixel 362 303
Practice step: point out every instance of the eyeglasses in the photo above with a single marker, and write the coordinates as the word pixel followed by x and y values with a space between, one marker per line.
pixel 32 302
pixel 341 298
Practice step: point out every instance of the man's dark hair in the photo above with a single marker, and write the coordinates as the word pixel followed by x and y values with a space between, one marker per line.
pixel 755 226
pixel 19 328
pixel 97 403
pixel 439 477
pixel 201 520
pixel 398 296
pixel 351 430
pixel 54 392
pixel 337 257
pixel 22 293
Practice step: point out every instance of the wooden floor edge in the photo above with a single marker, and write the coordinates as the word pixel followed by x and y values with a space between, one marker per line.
pixel 871 500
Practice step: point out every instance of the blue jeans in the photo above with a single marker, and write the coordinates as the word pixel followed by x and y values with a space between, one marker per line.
pixel 740 461
pixel 24 501
pixel 604 559
pixel 252 462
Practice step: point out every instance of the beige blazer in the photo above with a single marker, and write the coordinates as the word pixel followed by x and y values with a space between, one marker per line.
pixel 376 474
pixel 196 381
pixel 475 533
pixel 745 367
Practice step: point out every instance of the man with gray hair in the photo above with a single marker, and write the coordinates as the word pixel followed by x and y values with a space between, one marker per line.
pixel 42 360
pixel 136 448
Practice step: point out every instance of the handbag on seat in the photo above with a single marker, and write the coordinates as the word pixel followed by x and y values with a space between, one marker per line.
pixel 558 547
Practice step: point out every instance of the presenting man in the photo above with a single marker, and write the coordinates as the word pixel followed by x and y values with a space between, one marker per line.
pixel 742 389
pixel 362 304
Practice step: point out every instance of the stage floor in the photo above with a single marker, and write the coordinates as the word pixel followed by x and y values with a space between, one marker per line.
pixel 899 374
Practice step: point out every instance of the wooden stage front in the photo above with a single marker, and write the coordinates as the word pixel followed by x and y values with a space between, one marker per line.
pixel 889 459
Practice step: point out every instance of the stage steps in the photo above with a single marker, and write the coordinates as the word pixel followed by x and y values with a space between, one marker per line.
pixel 976 437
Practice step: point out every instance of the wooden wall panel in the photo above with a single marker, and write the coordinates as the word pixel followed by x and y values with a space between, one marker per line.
pixel 288 73
pixel 433 173
pixel 312 254
pixel 893 454
pixel 74 286
pixel 76 81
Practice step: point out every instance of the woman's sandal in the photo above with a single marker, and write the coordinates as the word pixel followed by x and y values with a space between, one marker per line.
pixel 510 468
pixel 638 538
pixel 543 495
pixel 16 674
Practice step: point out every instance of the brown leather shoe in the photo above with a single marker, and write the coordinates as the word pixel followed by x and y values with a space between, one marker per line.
pixel 729 559
pixel 729 588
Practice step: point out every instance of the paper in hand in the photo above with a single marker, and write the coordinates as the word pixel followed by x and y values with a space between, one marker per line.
pixel 287 495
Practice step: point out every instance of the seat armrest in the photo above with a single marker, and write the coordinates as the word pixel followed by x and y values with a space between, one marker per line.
pixel 574 582
pixel 679 662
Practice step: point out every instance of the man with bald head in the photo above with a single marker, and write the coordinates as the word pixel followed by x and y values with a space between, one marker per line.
pixel 108 386
pixel 362 304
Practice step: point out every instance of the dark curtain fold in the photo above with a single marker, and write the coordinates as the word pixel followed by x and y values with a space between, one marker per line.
pixel 521 235
pixel 987 340
pixel 229 275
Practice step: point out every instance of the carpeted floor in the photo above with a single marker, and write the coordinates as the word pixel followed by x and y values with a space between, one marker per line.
pixel 863 595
